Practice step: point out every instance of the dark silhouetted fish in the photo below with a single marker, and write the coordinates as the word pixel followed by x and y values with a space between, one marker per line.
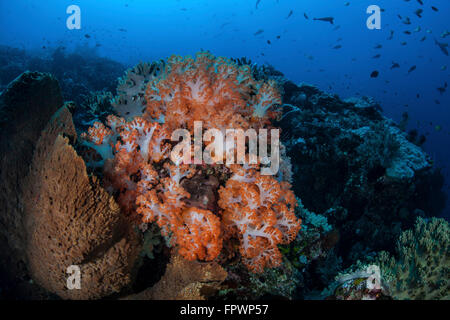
pixel 443 88
pixel 445 34
pixel 423 38
pixel 87 36
pixel 257 3
pixel 376 56
pixel 420 1
pixel 378 46
pixel 326 19
pixel 407 32
pixel 434 9
pixel 290 14
pixel 305 15
pixel 395 65
pixel 337 47
pixel 418 13
pixel 391 36
pixel 268 42
pixel 374 74
pixel 278 37
pixel 412 69
pixel 442 46
pixel 406 20
pixel 258 32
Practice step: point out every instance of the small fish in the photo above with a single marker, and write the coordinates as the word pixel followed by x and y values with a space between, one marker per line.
pixel 442 46
pixel 378 46
pixel 445 34
pixel 347 4
pixel 258 32
pixel 443 68
pixel 407 32
pixel 305 15
pixel 395 65
pixel 418 13
pixel 257 3
pixel 417 29
pixel 336 28
pixel 391 36
pixel 374 74
pixel 87 36
pixel 404 43
pixel 412 69
pixel 326 19
pixel 278 37
pixel 268 42
pixel 437 128
pixel 429 31
pixel 376 56
pixel 423 38
pixel 434 9
pixel 406 20
pixel 337 47
pixel 122 30
pixel 420 1
pixel 443 88
pixel 290 14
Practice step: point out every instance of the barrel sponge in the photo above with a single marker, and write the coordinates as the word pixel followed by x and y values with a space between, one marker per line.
pixel 71 220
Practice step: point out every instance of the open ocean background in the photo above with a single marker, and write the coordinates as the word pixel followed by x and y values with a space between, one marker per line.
pixel 303 49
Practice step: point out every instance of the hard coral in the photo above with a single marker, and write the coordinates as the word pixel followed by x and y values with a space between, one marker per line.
pixel 150 186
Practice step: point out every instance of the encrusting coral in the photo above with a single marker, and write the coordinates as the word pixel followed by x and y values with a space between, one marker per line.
pixel 153 187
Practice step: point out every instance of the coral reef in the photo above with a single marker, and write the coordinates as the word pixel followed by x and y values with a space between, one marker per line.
pixel 143 224
pixel 381 181
pixel 78 72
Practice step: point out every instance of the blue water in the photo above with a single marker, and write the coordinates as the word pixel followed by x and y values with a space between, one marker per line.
pixel 145 30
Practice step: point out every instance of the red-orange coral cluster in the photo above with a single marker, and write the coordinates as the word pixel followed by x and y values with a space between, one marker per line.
pixel 260 212
pixel 256 209
pixel 213 90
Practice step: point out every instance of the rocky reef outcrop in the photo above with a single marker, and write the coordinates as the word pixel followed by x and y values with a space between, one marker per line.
pixel 356 168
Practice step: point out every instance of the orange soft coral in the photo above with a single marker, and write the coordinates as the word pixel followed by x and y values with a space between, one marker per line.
pixel 260 212
pixel 256 209
pixel 213 90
